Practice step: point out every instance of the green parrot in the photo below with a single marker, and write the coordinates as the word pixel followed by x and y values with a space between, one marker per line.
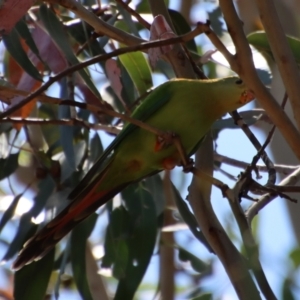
pixel 187 108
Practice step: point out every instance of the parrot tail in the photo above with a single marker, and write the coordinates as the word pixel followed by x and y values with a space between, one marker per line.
pixel 78 210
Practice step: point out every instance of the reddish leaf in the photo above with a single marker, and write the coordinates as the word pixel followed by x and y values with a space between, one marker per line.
pixel 159 30
pixel 114 73
pixel 11 12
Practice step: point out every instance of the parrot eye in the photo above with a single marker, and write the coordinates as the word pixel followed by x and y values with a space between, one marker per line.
pixel 239 81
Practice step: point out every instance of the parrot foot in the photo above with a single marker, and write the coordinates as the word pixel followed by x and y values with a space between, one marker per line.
pixel 170 138
pixel 189 166
pixel 164 140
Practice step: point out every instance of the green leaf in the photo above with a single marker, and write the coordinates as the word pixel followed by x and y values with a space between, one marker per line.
pixel 116 242
pixel 66 168
pixel 189 218
pixel 155 186
pixel 206 296
pixel 182 27
pixel 141 241
pixel 26 227
pixel 197 264
pixel 24 32
pixel 25 230
pixel 14 47
pixel 295 257
pixel 58 34
pixel 67 136
pixel 8 214
pixel 79 238
pixel 8 165
pixel 138 69
pixel 144 7
pixel 287 293
pixel 96 148
pixel 50 132
pixel 260 41
pixel 127 19
pixel 31 282
pixel 215 17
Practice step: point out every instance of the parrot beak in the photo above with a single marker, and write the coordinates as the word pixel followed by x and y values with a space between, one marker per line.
pixel 247 96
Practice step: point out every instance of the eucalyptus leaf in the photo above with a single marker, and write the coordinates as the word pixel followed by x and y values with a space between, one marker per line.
pixel 141 209
pixel 10 211
pixel 8 165
pixel 14 47
pixel 78 242
pixel 31 282
pixel 259 40
pixel 197 264
pixel 58 34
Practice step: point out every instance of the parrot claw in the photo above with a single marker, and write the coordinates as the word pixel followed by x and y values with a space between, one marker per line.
pixel 164 140
pixel 188 167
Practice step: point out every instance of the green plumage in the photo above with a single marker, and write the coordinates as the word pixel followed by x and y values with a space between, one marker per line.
pixel 187 108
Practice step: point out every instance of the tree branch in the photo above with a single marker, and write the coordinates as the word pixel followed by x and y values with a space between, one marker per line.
pixel 246 70
pixel 282 53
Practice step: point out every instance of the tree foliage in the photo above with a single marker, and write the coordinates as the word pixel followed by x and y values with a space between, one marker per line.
pixel 69 68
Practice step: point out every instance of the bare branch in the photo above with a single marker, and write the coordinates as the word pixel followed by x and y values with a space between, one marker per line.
pixel 67 122
pixel 245 68
pixel 282 53
pixel 290 180
pixel 284 169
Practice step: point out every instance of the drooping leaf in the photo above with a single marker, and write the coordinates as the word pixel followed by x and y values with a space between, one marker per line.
pixel 50 132
pixel 8 214
pixel 141 243
pixel 287 287
pixel 26 227
pixel 295 257
pixel 79 238
pixel 155 186
pixel 96 148
pixel 66 132
pixel 215 20
pixel 205 296
pixel 116 242
pixel 66 169
pixel 57 32
pixel 31 282
pixel 138 69
pixel 197 264
pixel 14 47
pixel 260 41
pixel 189 218
pixel 8 165
pixel 182 27
pixel 24 32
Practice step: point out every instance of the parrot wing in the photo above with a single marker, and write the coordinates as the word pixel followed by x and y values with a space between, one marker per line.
pixel 152 103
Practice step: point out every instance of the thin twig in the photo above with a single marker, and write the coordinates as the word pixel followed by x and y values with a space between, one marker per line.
pixel 284 169
pixel 254 209
pixel 282 53
pixel 141 20
pixel 255 142
pixel 113 113
pixel 67 122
